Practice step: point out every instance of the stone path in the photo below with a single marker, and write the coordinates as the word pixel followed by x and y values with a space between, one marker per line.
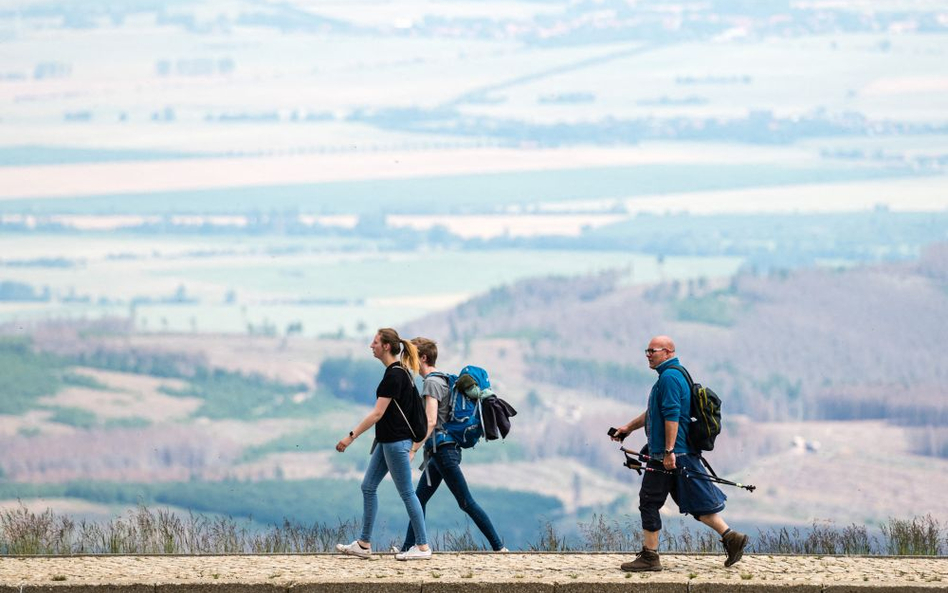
pixel 466 572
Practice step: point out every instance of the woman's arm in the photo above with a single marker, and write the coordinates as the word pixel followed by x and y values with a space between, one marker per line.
pixel 381 404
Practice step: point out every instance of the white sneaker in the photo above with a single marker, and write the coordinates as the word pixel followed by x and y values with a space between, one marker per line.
pixel 413 553
pixel 354 549
pixel 501 551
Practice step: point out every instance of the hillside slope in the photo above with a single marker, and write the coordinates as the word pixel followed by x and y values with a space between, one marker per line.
pixel 865 342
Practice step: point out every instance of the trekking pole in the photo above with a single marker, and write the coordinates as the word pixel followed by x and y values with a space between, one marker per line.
pixel 684 471
pixel 636 465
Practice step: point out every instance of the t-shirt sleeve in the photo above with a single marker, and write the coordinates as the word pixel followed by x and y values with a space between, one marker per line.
pixel 435 387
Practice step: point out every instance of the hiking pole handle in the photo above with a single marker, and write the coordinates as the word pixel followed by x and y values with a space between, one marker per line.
pixel 641 456
pixel 633 464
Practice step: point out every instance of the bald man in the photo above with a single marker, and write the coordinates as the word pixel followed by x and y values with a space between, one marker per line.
pixel 666 427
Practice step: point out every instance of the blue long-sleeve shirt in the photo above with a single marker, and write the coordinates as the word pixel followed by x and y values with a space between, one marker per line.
pixel 670 399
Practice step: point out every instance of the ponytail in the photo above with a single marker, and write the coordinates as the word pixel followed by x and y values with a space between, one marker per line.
pixel 408 351
pixel 410 356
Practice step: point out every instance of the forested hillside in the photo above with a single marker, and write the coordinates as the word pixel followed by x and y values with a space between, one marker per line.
pixel 809 362
pixel 816 344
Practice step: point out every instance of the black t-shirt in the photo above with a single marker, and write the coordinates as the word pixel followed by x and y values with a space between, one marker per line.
pixel 398 385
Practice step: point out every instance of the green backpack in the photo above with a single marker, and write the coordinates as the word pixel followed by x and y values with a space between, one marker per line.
pixel 705 414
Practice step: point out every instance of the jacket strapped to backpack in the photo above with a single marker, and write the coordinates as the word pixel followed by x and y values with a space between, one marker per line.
pixel 475 412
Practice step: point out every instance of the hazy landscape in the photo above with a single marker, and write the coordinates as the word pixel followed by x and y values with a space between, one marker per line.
pixel 208 207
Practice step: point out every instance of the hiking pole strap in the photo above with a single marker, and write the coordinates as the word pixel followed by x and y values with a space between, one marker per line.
pixel 707 465
pixel 633 464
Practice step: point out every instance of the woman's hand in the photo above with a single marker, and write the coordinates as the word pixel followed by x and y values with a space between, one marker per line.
pixel 411 454
pixel 345 442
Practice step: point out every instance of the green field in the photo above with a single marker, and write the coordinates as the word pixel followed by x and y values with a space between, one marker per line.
pixel 325 291
pixel 485 193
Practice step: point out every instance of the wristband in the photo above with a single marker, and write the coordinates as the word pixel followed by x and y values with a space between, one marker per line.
pixel 669 451
pixel 352 435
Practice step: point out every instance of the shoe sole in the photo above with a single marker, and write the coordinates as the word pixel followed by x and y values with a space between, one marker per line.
pixel 650 569
pixel 350 553
pixel 740 554
pixel 414 558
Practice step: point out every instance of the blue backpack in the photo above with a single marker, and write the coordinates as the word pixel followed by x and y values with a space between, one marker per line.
pixel 465 425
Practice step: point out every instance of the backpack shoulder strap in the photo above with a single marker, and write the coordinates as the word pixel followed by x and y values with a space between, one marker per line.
pixel 411 378
pixel 683 371
pixel 444 376
pixel 410 429
pixel 691 388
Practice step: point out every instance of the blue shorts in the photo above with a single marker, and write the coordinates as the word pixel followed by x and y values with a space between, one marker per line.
pixel 694 496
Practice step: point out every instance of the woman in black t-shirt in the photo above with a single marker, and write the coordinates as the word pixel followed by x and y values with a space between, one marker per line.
pixel 393 451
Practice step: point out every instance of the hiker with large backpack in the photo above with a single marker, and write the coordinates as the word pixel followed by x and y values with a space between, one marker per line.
pixel 401 426
pixel 456 427
pixel 673 460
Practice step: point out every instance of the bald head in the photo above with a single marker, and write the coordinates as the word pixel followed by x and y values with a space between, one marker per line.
pixel 660 349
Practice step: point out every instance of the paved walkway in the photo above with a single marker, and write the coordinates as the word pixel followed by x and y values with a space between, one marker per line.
pixel 467 572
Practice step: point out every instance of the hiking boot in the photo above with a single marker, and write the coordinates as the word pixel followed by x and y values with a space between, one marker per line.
pixel 734 544
pixel 354 549
pixel 644 560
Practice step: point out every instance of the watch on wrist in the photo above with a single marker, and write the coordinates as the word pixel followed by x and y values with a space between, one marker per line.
pixel 352 435
pixel 669 451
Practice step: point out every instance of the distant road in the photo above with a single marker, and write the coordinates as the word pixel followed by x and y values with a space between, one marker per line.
pixel 555 71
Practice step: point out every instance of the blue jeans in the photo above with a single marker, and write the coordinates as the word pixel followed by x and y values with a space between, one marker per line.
pixel 446 465
pixel 390 457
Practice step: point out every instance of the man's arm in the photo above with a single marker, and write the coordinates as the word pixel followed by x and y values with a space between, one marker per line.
pixel 671 433
pixel 636 423
pixel 627 429
pixel 671 394
pixel 431 411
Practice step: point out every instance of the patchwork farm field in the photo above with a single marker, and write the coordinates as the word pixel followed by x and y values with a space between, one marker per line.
pixel 223 284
